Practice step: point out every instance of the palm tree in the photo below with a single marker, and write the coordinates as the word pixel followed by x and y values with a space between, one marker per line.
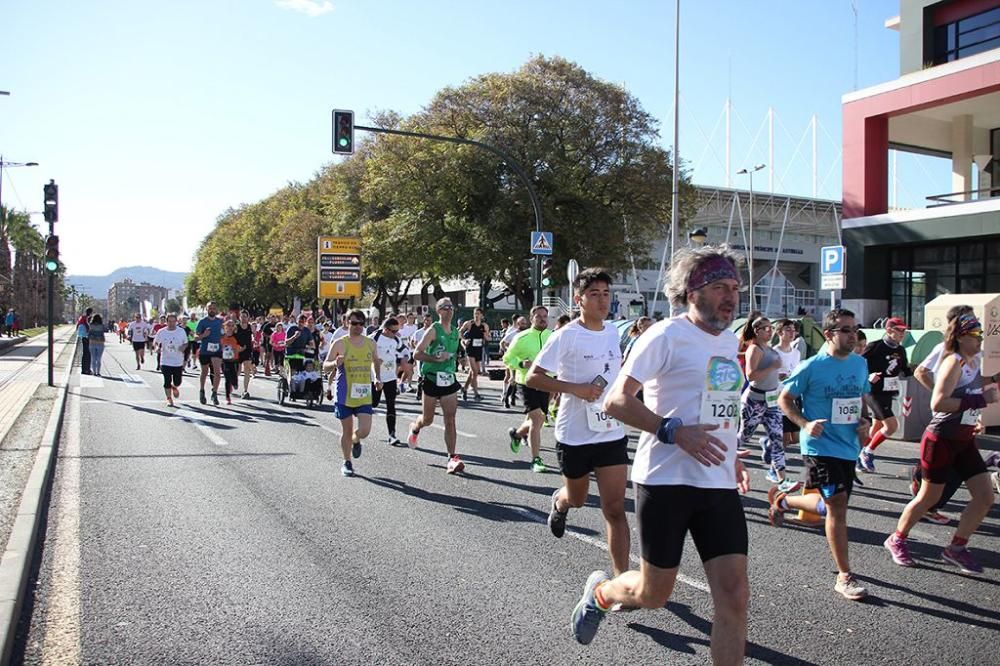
pixel 29 246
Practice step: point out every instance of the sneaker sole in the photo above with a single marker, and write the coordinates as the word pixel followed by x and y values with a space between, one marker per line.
pixel 596 577
pixel 961 567
pixel 457 468
pixel 852 597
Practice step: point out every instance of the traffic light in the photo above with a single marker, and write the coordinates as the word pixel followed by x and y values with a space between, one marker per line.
pixel 343 132
pixel 52 254
pixel 548 268
pixel 51 196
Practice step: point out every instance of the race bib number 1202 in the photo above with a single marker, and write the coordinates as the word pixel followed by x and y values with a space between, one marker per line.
pixel 721 408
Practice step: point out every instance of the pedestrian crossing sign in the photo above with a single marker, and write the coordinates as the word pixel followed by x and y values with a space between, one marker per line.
pixel 541 242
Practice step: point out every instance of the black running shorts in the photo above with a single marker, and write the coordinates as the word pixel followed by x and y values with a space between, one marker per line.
pixel 880 404
pixel 172 375
pixel 534 399
pixel 665 514
pixel 138 345
pixel 830 476
pixel 432 390
pixel 580 460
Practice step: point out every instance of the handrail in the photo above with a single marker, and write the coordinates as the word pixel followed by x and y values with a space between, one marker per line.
pixel 942 199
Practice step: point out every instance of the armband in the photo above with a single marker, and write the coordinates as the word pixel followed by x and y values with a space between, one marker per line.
pixel 972 401
pixel 668 427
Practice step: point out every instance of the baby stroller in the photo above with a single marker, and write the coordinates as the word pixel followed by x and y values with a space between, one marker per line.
pixel 309 391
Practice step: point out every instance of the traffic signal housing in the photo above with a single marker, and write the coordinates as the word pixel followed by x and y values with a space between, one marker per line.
pixel 51 199
pixel 548 271
pixel 343 132
pixel 52 254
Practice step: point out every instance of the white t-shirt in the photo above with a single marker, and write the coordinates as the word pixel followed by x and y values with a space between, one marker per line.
pixel 406 332
pixel 677 364
pixel 389 351
pixel 139 330
pixel 339 333
pixel 576 354
pixel 325 342
pixel 933 362
pixel 511 333
pixel 171 342
pixel 789 360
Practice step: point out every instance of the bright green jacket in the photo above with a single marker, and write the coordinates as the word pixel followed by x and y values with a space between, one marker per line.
pixel 525 347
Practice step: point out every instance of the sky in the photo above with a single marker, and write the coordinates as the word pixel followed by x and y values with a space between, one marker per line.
pixel 156 117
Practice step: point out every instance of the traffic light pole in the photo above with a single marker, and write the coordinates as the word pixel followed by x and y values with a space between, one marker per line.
pixel 52 289
pixel 509 161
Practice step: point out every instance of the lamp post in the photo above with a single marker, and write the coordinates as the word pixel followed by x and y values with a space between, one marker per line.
pixel 750 172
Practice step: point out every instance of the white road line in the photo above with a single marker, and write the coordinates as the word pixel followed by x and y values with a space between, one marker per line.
pixel 597 543
pixel 91 382
pixel 195 419
pixel 61 639
pixel 457 432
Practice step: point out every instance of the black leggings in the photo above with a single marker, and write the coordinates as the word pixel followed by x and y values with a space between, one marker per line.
pixel 390 390
pixel 230 370
pixel 171 375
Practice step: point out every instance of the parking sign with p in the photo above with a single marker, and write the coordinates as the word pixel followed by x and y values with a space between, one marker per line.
pixel 832 260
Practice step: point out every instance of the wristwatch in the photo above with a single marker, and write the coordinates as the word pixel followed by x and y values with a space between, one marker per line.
pixel 668 427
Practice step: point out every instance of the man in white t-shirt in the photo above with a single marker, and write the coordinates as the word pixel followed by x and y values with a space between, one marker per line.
pixel 509 393
pixel 389 349
pixel 138 332
pixel 426 323
pixel 405 370
pixel 170 343
pixel 580 361
pixel 686 474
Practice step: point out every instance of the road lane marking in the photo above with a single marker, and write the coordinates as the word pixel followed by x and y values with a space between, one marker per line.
pixel 61 636
pixel 195 419
pixel 90 381
pixel 537 517
pixel 457 432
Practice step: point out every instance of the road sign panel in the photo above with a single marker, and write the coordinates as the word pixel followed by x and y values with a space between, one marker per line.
pixel 541 242
pixel 831 260
pixel 831 282
pixel 338 267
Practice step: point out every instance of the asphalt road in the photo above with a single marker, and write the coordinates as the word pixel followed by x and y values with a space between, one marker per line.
pixel 228 536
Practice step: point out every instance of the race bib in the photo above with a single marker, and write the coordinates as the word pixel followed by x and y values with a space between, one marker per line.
pixel 227 353
pixel 211 347
pixel 970 417
pixel 598 420
pixel 445 379
pixel 890 384
pixel 478 342
pixel 361 390
pixel 721 408
pixel 771 398
pixel 846 411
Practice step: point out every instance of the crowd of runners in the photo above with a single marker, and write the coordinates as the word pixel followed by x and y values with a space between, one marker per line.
pixel 696 392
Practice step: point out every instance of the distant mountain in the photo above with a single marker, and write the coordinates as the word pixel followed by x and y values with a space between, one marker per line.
pixel 97 285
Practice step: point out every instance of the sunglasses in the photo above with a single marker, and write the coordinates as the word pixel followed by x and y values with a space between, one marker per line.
pixel 976 333
pixel 846 330
pixel 445 307
pixel 765 327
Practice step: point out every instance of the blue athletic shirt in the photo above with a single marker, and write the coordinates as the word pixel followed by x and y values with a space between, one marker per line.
pixel 818 381
pixel 214 326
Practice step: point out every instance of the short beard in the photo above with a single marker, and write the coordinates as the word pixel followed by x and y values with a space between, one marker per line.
pixel 713 320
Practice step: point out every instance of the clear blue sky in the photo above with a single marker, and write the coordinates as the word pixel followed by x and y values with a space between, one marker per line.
pixel 154 117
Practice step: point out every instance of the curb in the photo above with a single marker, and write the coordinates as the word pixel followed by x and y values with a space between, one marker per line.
pixel 16 564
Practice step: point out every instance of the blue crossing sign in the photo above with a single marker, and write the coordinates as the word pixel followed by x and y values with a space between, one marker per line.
pixel 541 242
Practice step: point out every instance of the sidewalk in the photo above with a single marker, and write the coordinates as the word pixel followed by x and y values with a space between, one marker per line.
pixel 23 369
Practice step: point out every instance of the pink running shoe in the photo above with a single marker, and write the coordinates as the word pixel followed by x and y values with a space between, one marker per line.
pixel 899 550
pixel 963 559
pixel 455 465
pixel 412 440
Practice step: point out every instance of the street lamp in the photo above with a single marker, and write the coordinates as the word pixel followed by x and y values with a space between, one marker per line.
pixel 750 172
pixel 698 236
pixel 3 212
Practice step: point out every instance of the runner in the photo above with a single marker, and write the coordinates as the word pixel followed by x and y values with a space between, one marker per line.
pixel 887 367
pixel 790 359
pixel 122 331
pixel 536 403
pixel 949 443
pixel 209 334
pixel 354 359
pixel 232 351
pixel 686 474
pixel 244 336
pixel 390 349
pixel 509 387
pixel 437 353
pixel 579 361
pixel 759 402
pixel 475 334
pixel 406 333
pixel 265 332
pixel 427 322
pixel 193 344
pixel 278 348
pixel 138 332
pixel 832 386
pixel 171 344
pixel 160 324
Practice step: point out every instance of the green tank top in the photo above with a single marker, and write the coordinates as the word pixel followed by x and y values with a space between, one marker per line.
pixel 442 342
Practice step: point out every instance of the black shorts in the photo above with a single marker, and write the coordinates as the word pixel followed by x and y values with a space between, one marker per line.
pixel 580 460
pixel 881 405
pixel 244 355
pixel 432 390
pixel 172 375
pixel 665 514
pixel 206 359
pixel 534 399
pixel 831 476
pixel 138 345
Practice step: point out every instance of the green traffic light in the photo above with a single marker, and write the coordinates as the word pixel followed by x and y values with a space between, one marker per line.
pixel 546 282
pixel 51 265
pixel 344 142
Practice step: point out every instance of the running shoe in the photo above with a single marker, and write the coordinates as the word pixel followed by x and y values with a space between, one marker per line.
pixel 587 615
pixel 789 485
pixel 347 469
pixel 993 460
pixel 963 559
pixel 411 440
pixel 765 451
pixel 515 440
pixel 215 398
pixel 394 441
pixel 455 465
pixel 914 481
pixel 356 449
pixel 403 388
pixel 420 393
pixel 537 465
pixel 772 476
pixel 937 517
pixel 899 550
pixel 465 395
pixel 866 462
pixel 775 514
pixel 201 397
pixel 557 518
pixel 246 395
pixel 850 588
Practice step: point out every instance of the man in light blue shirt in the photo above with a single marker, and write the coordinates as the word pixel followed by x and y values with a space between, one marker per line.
pixel 832 386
